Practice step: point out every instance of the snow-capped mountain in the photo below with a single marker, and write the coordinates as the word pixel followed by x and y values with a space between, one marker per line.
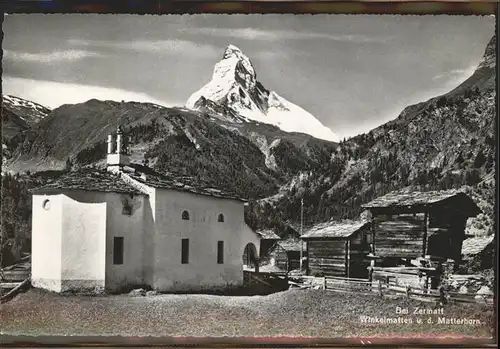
pixel 235 91
pixel 28 111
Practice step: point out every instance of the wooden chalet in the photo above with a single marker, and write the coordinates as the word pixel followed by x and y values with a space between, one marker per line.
pixel 338 249
pixel 268 239
pixel 286 254
pixel 408 225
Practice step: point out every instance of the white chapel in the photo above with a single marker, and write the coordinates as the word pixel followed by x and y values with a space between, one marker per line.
pixel 128 226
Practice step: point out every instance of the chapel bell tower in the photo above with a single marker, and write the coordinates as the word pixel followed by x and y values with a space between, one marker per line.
pixel 117 154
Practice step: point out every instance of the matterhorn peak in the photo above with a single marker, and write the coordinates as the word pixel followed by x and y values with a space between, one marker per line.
pixel 234 87
pixel 232 50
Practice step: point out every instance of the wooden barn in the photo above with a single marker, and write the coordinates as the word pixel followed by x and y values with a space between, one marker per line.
pixel 286 254
pixel 338 249
pixel 408 225
pixel 268 239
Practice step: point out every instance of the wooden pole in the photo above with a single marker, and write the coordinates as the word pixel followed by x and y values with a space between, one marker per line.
pixel 345 258
pixel 348 258
pixel 301 226
pixel 425 235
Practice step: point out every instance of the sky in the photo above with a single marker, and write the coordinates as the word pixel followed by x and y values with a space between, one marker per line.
pixel 352 72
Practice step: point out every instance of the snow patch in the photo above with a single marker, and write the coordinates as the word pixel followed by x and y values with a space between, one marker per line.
pixel 192 139
pixel 265 148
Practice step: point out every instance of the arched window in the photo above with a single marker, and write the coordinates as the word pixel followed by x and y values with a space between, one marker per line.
pixel 46 205
pixel 221 218
pixel 185 215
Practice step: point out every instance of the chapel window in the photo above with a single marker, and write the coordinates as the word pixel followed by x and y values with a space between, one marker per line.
pixel 185 251
pixel 221 218
pixel 118 250
pixel 185 215
pixel 220 252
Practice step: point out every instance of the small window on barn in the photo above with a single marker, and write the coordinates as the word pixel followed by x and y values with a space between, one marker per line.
pixel 185 215
pixel 221 218
pixel 365 238
pixel 220 252
pixel 185 251
pixel 118 250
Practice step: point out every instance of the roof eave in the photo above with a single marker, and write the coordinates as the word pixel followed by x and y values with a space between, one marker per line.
pixel 49 191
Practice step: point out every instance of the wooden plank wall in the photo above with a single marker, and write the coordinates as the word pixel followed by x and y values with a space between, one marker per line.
pixel 280 257
pixel 399 235
pixel 327 257
pixel 359 261
pixel 449 234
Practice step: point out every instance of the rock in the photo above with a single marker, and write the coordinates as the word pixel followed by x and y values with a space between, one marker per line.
pixel 484 291
pixel 463 289
pixel 137 292
pixel 151 293
pixel 480 299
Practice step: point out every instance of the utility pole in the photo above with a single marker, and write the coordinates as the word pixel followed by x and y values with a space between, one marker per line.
pixel 301 225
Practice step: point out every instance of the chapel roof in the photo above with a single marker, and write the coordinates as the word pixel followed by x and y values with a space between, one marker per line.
pixel 90 179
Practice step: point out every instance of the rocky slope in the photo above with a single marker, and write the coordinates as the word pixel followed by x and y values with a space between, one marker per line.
pixel 18 115
pixel 235 93
pixel 446 142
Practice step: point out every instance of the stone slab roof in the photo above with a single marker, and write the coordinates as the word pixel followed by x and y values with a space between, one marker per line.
pixel 422 199
pixel 87 180
pixel 268 234
pixel 333 229
pixel 173 181
pixel 290 245
pixel 90 179
pixel 473 246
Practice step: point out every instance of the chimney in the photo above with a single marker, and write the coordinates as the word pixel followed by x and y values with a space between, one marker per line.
pixel 119 141
pixel 110 144
pixel 118 159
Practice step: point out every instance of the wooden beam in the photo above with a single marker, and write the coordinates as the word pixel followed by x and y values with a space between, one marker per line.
pixel 424 247
pixel 348 258
pixel 307 252
pixel 373 235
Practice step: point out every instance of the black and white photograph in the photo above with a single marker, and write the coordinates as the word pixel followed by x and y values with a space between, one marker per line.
pixel 249 176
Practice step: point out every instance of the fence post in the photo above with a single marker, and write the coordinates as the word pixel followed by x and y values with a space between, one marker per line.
pixel 380 288
pixel 408 291
pixel 324 283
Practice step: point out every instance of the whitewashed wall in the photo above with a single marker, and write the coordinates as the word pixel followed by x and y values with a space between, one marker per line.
pixel 203 231
pixel 131 228
pixel 46 242
pixel 83 240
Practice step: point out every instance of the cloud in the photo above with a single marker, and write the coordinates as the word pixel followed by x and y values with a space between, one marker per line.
pixel 158 46
pixel 455 73
pixel 50 57
pixel 453 78
pixel 274 35
pixel 54 94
